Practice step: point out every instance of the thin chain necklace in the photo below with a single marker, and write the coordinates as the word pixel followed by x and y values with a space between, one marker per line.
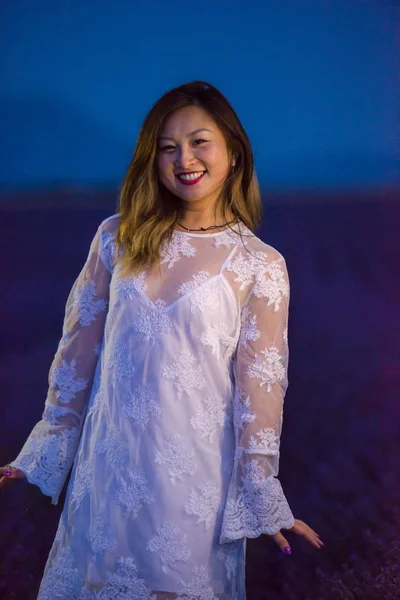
pixel 207 228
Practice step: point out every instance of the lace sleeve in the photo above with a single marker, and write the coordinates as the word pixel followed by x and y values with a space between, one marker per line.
pixel 49 451
pixel 256 503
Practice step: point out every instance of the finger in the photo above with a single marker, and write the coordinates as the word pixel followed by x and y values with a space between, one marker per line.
pixel 7 470
pixel 282 543
pixel 313 539
pixel 306 531
pixel 298 524
pixel 313 531
pixel 11 473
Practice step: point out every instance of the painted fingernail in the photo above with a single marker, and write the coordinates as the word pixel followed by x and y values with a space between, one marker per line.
pixel 7 473
pixel 287 550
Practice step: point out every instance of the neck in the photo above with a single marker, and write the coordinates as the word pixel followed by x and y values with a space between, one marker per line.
pixel 204 220
pixel 210 227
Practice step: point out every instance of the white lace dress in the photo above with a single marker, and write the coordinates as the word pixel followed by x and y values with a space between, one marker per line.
pixel 166 398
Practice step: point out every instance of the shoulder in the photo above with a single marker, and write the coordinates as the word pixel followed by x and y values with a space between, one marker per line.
pixel 260 249
pixel 107 231
pixel 106 235
pixel 270 277
pixel 109 225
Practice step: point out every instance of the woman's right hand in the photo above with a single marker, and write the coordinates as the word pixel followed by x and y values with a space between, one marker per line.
pixel 8 472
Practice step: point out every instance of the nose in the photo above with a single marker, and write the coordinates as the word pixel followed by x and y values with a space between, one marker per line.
pixel 185 157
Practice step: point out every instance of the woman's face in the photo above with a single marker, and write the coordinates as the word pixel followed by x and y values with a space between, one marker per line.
pixel 192 157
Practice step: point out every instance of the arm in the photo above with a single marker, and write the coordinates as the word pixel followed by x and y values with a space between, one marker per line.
pixel 49 451
pixel 256 503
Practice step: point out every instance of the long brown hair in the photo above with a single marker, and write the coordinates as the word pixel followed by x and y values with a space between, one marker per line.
pixel 148 211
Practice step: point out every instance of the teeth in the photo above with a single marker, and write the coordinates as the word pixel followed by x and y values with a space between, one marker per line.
pixel 191 176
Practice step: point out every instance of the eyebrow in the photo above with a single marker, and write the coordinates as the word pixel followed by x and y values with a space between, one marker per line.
pixel 166 137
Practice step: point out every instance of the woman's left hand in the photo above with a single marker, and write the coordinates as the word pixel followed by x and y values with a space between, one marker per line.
pixel 300 528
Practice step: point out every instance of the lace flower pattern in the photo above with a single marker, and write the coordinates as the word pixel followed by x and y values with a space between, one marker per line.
pixel 48 454
pixel 246 267
pixel 204 503
pixel 202 292
pixel 274 287
pixel 62 578
pixel 260 506
pixel 141 406
pixel 249 331
pixel 126 287
pixel 153 321
pixel 170 544
pixel 211 417
pixel 66 383
pixel 125 583
pixel 178 247
pixel 265 442
pixel 87 304
pixel 53 413
pixel 100 536
pixel 83 482
pixel 227 238
pixel 113 448
pixel 184 373
pixel 216 336
pixel 99 401
pixel 242 413
pixel 268 368
pixel 120 361
pixel 134 492
pixel 178 457
pixel 107 243
pixel 199 588
pixel 229 555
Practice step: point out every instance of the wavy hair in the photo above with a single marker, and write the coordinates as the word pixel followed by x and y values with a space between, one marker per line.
pixel 148 211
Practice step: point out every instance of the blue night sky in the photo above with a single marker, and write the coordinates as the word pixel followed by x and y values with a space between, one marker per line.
pixel 314 83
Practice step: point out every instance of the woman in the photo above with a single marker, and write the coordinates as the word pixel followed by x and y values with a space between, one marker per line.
pixel 166 392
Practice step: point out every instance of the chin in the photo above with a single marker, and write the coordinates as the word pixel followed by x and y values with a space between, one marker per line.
pixel 190 193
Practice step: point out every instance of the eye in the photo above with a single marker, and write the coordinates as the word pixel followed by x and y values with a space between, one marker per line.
pixel 170 147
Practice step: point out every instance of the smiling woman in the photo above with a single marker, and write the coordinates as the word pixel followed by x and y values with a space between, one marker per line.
pixel 166 391
pixel 190 130
pixel 198 163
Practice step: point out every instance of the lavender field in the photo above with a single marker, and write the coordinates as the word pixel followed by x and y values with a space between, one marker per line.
pixel 340 451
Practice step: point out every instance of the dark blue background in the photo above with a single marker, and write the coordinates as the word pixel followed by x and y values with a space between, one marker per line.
pixel 312 80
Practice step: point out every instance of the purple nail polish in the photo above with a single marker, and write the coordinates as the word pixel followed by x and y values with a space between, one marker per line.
pixel 7 473
pixel 287 550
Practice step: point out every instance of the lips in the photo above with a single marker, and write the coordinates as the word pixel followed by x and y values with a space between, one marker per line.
pixel 192 180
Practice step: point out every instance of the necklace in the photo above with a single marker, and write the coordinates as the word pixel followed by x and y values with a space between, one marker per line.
pixel 207 228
